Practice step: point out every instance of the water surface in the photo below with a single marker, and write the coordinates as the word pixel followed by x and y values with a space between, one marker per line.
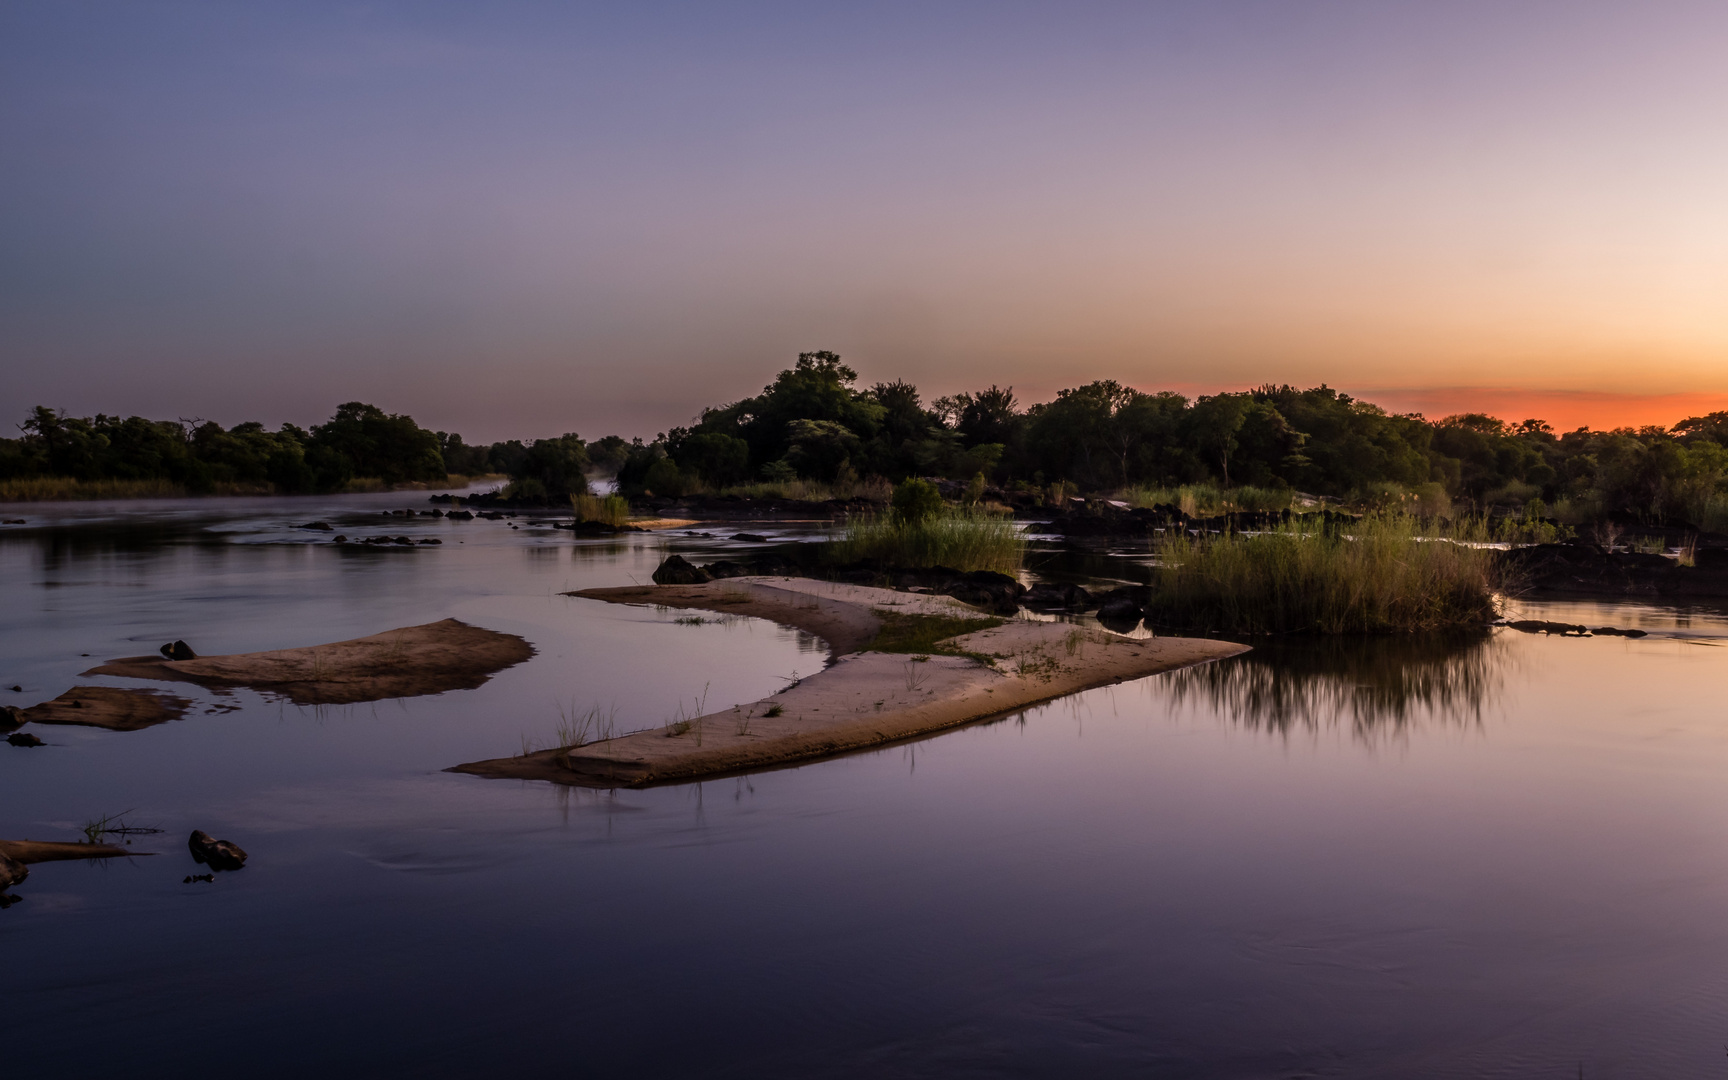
pixel 1493 856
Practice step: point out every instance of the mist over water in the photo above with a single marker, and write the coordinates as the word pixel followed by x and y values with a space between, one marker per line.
pixel 1489 856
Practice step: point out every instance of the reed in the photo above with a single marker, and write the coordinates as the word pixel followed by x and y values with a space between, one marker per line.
pixel 1385 573
pixel 964 538
pixel 611 510
pixel 1207 500
pixel 55 488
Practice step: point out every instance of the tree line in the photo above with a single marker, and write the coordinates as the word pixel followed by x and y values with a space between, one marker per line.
pixel 813 422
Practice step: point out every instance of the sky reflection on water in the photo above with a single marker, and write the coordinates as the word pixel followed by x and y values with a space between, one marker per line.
pixel 1492 857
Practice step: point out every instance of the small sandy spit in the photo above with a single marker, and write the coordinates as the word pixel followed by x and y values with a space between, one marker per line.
pixel 108 707
pixel 427 659
pixel 862 699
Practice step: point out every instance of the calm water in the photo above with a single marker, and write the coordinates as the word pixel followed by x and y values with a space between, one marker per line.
pixel 1501 857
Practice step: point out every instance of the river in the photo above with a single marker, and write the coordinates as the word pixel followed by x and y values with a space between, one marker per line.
pixel 1491 857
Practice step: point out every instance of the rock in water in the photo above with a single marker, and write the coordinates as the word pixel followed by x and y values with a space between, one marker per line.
pixel 11 872
pixel 216 854
pixel 24 738
pixel 178 650
pixel 11 716
pixel 677 570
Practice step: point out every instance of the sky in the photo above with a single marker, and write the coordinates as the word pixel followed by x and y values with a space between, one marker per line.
pixel 521 219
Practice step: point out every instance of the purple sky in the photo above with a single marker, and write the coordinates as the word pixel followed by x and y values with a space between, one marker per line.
pixel 523 219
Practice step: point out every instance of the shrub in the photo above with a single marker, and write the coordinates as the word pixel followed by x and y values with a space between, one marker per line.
pixel 916 501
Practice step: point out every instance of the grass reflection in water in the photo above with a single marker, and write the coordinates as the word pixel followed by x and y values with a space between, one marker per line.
pixel 1379 685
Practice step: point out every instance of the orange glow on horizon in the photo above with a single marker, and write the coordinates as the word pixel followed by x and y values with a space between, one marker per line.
pixel 1566 410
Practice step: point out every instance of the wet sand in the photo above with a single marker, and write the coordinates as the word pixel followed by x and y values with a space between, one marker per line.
pixel 414 660
pixel 862 699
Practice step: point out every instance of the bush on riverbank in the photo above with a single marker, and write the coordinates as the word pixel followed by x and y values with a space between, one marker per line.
pixel 964 538
pixel 1387 573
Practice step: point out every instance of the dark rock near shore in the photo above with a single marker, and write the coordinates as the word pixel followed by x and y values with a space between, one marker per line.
pixel 726 568
pixel 983 588
pixel 1053 596
pixel 677 570
pixel 12 872
pixel 216 854
pixel 1542 626
pixel 321 526
pixel 750 538
pixel 23 738
pixel 11 716
pixel 1585 569
pixel 460 515
pixel 1122 609
pixel 178 650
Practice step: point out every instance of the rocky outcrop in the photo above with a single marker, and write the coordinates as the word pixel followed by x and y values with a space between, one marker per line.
pixel 12 872
pixel 1587 570
pixel 178 650
pixel 677 570
pixel 214 853
pixel 1056 596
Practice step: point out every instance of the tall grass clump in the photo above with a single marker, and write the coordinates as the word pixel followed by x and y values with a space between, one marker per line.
pixel 608 509
pixel 964 538
pixel 1207 500
pixel 52 488
pixel 1385 573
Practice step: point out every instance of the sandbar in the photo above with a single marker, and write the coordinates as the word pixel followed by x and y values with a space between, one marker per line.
pixel 863 699
pixel 413 660
pixel 108 707
pixel 36 851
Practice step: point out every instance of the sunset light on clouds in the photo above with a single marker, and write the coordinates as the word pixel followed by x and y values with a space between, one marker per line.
pixel 524 219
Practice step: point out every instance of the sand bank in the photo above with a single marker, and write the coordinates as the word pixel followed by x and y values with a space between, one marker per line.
pixel 862 699
pixel 428 659
pixel 108 707
pixel 35 851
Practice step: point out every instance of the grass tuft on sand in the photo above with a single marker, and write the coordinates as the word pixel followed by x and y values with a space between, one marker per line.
pixel 1386 573
pixel 964 538
pixel 903 633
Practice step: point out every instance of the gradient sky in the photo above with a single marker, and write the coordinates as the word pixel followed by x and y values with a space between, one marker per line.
pixel 514 219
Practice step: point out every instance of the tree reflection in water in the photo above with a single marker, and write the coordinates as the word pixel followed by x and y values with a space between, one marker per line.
pixel 1379 685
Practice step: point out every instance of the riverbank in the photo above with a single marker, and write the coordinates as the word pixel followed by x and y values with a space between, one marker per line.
pixel 864 698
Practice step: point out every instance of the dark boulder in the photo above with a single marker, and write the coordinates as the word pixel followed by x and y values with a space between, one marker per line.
pixel 432 540
pixel 1542 626
pixel 178 650
pixel 1055 596
pixel 216 854
pixel 750 538
pixel 12 872
pixel 1121 610
pixel 461 515
pixel 11 716
pixel 321 526
pixel 726 568
pixel 677 570
pixel 985 589
pixel 23 738
pixel 773 563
